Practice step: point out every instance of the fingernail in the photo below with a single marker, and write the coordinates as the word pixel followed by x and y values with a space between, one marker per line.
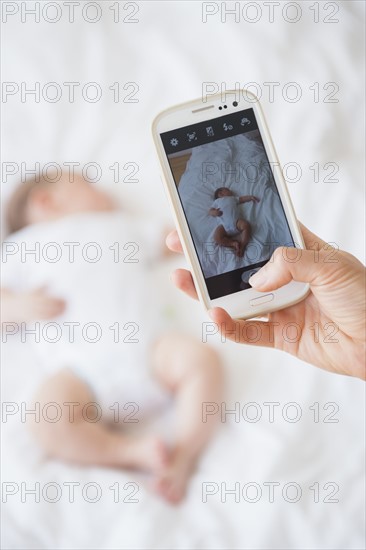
pixel 259 278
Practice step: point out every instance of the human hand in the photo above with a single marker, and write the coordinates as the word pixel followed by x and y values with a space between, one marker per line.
pixel 164 252
pixel 30 305
pixel 215 212
pixel 326 329
pixel 248 198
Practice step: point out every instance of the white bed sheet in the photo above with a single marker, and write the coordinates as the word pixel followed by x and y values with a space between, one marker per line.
pixel 170 53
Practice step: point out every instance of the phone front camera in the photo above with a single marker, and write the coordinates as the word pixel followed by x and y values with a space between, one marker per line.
pixel 235 103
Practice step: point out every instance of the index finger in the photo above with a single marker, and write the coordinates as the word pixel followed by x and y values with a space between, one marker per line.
pixel 173 243
pixel 251 331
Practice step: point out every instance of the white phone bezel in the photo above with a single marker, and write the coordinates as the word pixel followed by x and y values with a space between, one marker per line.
pixel 237 304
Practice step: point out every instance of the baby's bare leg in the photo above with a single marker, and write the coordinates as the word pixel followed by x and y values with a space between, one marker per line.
pixel 223 239
pixel 245 233
pixel 76 438
pixel 192 371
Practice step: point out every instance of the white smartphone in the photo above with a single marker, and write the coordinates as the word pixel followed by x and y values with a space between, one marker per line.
pixel 229 199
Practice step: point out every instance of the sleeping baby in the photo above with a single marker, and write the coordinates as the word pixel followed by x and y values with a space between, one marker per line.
pixel 114 347
pixel 233 232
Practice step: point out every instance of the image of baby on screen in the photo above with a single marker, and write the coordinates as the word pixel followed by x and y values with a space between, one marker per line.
pixel 232 207
pixel 233 232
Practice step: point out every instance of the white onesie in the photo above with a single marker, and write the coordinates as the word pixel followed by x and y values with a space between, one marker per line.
pixel 99 263
pixel 230 214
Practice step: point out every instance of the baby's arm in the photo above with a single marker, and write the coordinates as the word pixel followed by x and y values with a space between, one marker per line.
pixel 248 198
pixel 30 305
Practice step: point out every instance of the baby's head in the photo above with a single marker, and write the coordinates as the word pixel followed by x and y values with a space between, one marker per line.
pixel 223 192
pixel 42 199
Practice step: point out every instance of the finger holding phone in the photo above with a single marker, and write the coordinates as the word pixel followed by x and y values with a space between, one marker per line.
pixel 326 329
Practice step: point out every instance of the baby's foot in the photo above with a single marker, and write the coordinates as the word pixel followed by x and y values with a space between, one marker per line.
pixel 172 482
pixel 147 453
pixel 241 249
pixel 236 248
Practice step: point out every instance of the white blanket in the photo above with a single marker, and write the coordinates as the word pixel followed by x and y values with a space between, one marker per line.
pixel 170 53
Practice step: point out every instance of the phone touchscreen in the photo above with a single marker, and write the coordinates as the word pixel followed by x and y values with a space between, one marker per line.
pixel 229 198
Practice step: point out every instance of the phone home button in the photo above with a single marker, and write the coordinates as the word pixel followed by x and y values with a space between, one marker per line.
pixel 261 300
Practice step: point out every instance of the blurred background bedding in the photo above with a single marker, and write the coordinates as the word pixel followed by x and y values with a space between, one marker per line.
pixel 134 60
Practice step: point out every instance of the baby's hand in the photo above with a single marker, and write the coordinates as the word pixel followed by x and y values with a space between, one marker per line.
pixel 215 212
pixel 31 305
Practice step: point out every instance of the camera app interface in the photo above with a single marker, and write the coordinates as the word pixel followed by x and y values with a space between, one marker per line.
pixel 229 197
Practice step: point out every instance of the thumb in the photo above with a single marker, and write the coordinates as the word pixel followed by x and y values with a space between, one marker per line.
pixel 287 264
